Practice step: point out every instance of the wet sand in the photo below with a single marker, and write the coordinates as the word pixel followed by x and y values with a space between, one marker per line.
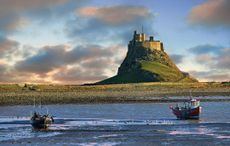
pixel 117 124
pixel 132 135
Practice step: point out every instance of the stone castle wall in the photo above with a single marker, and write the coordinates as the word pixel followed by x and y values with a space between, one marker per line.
pixel 140 40
pixel 153 45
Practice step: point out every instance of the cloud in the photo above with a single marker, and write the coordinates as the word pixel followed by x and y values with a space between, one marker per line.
pixel 7 46
pixel 9 6
pixel 219 77
pixel 90 70
pixel 52 57
pixel 80 74
pixel 177 58
pixel 13 14
pixel 213 56
pixel 18 77
pixel 8 74
pixel 96 36
pixel 114 15
pixel 57 64
pixel 44 61
pixel 113 24
pixel 204 58
pixel 203 49
pixel 98 63
pixel 62 64
pixel 223 61
pixel 211 13
pixel 12 23
pixel 210 75
pixel 2 67
pixel 215 61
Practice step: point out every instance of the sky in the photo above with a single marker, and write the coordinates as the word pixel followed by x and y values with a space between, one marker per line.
pixel 85 41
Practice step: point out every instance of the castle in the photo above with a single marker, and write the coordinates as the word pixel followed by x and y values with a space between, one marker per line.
pixel 140 40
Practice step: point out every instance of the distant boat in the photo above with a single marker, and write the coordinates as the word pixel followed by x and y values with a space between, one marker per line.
pixel 41 122
pixel 190 110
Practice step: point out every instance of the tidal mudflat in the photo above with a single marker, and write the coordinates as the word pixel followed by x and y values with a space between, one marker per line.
pixel 117 124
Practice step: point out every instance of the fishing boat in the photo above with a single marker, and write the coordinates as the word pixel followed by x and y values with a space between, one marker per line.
pixel 189 110
pixel 41 121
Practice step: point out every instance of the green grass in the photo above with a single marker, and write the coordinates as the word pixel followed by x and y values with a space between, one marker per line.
pixel 166 73
pixel 132 77
pixel 12 94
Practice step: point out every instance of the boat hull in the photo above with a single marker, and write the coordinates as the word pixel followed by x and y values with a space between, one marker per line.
pixel 191 113
pixel 41 123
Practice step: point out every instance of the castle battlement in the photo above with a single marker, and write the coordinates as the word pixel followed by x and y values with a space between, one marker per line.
pixel 140 40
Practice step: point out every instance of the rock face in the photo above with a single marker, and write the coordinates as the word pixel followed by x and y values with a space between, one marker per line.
pixel 147 63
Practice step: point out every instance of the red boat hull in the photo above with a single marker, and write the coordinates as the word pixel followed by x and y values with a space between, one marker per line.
pixel 191 113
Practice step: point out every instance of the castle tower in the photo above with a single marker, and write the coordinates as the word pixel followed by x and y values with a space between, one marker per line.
pixel 151 39
pixel 142 37
pixel 139 37
pixel 142 34
pixel 140 40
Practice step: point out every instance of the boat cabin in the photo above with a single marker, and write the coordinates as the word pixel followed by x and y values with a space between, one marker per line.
pixel 195 103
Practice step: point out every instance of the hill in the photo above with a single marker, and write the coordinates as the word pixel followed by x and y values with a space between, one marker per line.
pixel 146 61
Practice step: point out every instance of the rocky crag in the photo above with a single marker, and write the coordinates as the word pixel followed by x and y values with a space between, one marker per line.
pixel 146 61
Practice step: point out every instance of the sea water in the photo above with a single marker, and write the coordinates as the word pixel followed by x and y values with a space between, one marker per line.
pixel 117 124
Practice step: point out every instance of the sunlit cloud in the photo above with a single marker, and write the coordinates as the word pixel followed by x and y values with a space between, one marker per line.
pixel 216 61
pixel 204 58
pixel 108 25
pixel 211 13
pixel 211 75
pixel 51 57
pixel 11 12
pixel 10 6
pixel 7 45
pixel 12 23
pixel 115 15
pixel 79 75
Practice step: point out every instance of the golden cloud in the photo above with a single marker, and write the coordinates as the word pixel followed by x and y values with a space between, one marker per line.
pixel 114 14
pixel 212 12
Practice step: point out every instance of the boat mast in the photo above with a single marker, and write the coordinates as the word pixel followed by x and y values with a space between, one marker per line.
pixel 34 102
pixel 190 95
pixel 40 103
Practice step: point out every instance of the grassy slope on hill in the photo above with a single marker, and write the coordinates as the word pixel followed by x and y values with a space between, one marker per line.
pixel 166 73
pixel 132 77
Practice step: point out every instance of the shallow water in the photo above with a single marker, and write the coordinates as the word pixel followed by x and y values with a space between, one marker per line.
pixel 117 124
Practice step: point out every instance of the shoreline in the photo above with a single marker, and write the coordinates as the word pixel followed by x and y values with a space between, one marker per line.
pixel 120 93
pixel 124 102
pixel 118 100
